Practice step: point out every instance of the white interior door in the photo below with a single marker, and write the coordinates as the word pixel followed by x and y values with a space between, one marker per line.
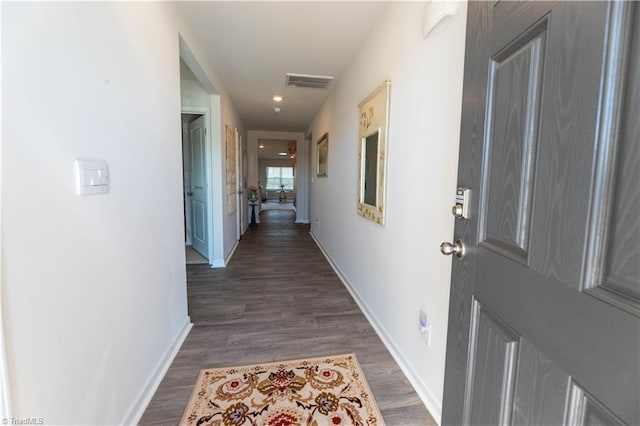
pixel 198 181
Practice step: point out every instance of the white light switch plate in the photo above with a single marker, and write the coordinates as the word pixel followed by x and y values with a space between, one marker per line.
pixel 92 176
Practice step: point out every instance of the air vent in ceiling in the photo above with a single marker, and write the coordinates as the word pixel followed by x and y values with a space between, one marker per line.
pixel 310 81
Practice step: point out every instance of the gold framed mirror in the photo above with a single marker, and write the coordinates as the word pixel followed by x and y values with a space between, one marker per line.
pixel 374 117
pixel 322 155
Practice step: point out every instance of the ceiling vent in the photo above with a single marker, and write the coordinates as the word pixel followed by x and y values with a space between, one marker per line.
pixel 310 81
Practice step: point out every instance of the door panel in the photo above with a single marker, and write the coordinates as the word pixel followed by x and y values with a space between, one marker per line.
pixel 568 127
pixel 521 15
pixel 592 341
pixel 199 186
pixel 199 214
pixel 549 148
pixel 541 389
pixel 621 271
pixel 583 409
pixel 513 105
pixel 494 354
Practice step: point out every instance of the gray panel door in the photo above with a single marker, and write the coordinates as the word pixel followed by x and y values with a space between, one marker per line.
pixel 544 316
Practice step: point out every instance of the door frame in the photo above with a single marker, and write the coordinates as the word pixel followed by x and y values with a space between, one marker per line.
pixel 239 186
pixel 206 112
pixel 186 160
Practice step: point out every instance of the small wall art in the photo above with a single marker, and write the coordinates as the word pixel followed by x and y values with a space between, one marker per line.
pixel 322 155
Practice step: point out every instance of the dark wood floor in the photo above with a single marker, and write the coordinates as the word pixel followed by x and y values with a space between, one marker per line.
pixel 278 299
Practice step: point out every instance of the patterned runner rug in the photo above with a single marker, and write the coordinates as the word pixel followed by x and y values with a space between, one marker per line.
pixel 314 392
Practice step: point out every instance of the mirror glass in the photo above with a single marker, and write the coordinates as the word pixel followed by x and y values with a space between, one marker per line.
pixel 370 169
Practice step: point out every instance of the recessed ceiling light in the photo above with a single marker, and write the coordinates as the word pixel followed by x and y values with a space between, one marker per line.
pixel 277 98
pixel 277 110
pixel 261 146
pixel 283 153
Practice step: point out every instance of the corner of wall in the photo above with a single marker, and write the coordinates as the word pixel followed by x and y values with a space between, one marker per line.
pixel 135 412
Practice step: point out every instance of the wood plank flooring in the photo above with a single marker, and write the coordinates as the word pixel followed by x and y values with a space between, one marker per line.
pixel 278 299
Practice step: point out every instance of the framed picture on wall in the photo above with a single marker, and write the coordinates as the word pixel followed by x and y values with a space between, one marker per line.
pixel 322 155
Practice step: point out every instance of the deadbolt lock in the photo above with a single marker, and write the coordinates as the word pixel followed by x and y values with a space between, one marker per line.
pixel 461 208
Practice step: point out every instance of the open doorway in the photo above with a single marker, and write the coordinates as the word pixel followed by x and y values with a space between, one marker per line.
pixel 195 188
pixel 277 164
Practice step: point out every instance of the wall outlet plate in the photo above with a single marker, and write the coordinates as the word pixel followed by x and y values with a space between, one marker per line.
pixel 425 327
pixel 423 321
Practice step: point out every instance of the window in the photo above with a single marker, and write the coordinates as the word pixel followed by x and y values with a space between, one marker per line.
pixel 277 176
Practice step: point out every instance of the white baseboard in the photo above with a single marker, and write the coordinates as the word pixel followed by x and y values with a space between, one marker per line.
pixel 136 411
pixel 233 250
pixel 433 405
pixel 217 263
pixel 222 263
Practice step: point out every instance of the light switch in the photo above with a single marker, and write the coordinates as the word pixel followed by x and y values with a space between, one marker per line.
pixel 92 176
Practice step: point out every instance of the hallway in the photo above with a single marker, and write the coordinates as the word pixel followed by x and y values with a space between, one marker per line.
pixel 278 299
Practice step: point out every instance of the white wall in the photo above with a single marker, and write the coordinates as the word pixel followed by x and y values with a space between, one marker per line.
pixel 192 94
pixel 5 398
pixel 396 269
pixel 94 293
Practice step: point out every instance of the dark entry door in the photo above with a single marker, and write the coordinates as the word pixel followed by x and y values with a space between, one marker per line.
pixel 544 311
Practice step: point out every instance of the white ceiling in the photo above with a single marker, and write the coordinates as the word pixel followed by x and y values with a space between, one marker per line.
pixel 273 148
pixel 252 46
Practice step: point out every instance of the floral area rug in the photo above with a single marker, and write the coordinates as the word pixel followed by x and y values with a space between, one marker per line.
pixel 312 392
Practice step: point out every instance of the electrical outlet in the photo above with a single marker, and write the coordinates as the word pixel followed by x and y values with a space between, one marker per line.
pixel 425 327
pixel 317 223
